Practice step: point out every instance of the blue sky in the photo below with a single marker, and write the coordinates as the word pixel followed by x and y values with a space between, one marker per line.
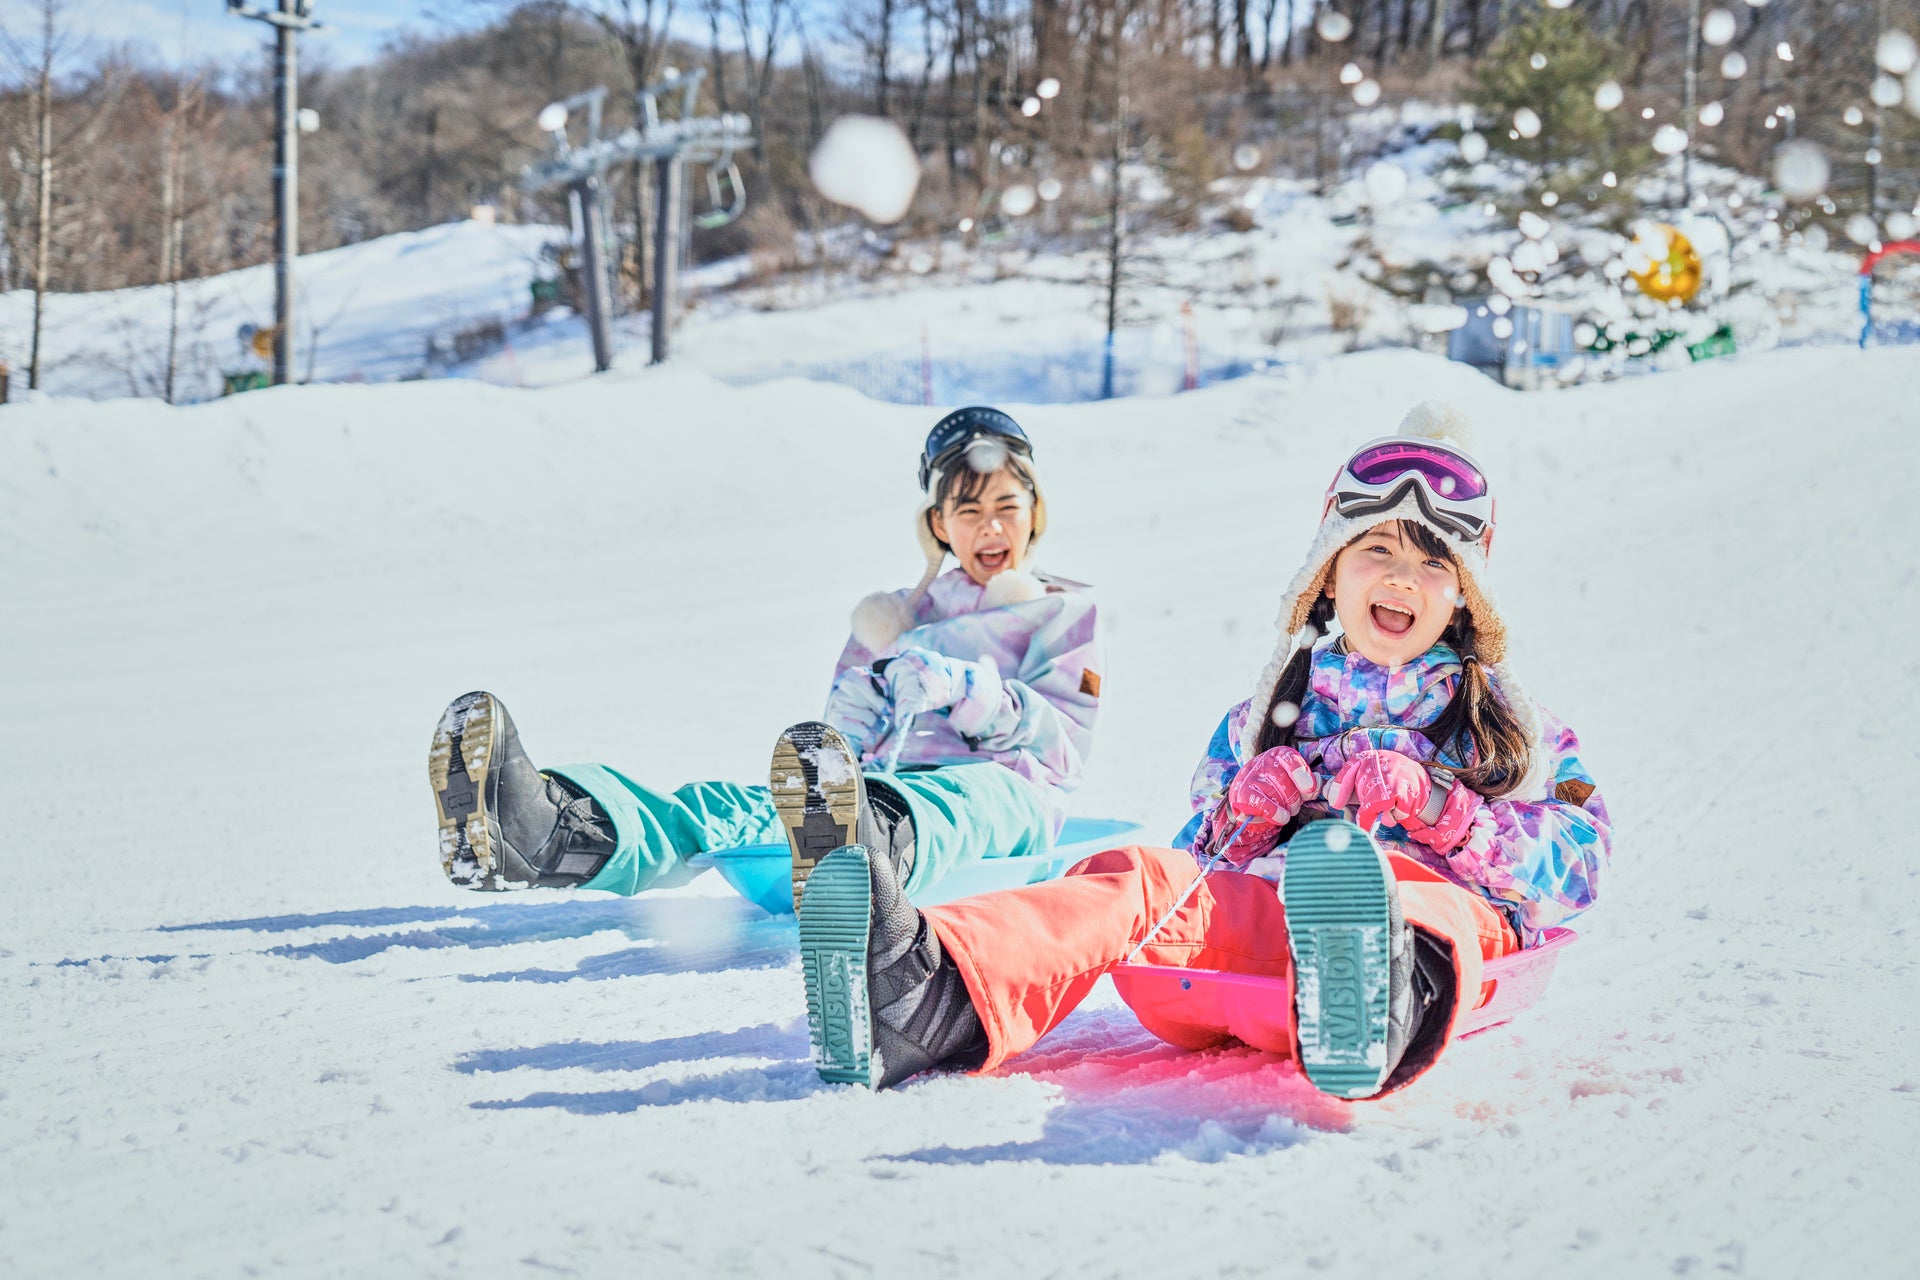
pixel 198 30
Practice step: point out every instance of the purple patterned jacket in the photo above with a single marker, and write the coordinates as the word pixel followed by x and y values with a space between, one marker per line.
pixel 1539 859
pixel 1032 706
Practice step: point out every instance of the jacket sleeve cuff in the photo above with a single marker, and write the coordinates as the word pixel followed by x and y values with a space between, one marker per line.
pixel 1473 856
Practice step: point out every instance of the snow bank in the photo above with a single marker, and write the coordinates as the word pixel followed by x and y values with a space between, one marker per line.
pixel 250 1028
pixel 364 312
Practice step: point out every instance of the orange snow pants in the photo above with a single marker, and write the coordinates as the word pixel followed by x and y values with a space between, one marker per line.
pixel 1030 955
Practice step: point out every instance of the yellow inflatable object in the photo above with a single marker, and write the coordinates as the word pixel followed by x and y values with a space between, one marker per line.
pixel 1673 270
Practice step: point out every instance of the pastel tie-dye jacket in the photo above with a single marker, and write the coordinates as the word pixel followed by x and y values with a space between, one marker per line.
pixel 1538 859
pixel 1031 706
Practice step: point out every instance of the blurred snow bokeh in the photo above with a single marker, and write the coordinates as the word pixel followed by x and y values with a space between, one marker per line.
pixel 867 164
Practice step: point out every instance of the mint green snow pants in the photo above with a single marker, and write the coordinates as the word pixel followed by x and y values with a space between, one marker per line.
pixel 961 814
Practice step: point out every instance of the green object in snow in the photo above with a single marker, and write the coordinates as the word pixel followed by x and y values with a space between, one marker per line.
pixel 1719 343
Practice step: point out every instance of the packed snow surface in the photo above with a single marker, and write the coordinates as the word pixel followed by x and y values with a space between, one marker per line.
pixel 250 1029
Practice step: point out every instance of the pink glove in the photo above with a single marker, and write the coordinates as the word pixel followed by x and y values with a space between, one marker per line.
pixel 1449 831
pixel 1272 787
pixel 1388 787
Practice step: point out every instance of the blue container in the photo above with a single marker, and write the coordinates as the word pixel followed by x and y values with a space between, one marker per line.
pixel 763 873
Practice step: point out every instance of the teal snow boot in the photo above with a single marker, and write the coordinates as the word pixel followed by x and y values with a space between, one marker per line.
pixel 1353 961
pixel 884 1001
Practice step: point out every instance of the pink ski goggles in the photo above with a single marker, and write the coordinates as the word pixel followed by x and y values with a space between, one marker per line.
pixel 1448 486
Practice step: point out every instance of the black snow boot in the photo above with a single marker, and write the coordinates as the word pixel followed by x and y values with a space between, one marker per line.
pixel 503 823
pixel 884 1000
pixel 824 803
pixel 1430 1011
pixel 1353 960
pixel 886 829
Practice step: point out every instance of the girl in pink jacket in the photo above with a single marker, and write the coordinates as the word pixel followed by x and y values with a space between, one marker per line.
pixel 1478 827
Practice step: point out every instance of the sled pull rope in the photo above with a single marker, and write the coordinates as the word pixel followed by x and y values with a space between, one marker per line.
pixel 905 725
pixel 1181 901
pixel 1206 871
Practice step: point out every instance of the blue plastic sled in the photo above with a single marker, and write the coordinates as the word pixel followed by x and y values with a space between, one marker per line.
pixel 763 873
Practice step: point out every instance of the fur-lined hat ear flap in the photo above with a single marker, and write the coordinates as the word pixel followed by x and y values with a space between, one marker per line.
pixel 923 529
pixel 879 620
pixel 1039 513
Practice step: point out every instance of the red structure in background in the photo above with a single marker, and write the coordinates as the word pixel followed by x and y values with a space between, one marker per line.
pixel 1867 265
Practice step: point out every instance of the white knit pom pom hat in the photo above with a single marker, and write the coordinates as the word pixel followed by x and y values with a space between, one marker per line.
pixel 1470 543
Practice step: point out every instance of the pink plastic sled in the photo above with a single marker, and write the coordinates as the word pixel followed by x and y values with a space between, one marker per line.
pixel 1201 1008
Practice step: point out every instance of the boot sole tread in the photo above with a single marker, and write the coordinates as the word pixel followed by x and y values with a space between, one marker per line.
pixel 1339 925
pixel 818 814
pixel 464 736
pixel 834 931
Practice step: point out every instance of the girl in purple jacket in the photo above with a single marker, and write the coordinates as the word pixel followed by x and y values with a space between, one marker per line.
pixel 960 715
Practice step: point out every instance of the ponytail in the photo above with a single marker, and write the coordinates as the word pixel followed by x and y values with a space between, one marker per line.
pixel 1291 687
pixel 1477 725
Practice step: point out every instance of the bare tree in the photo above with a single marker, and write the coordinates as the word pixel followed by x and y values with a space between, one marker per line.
pixel 759 21
pixel 872 26
pixel 1116 246
pixel 172 222
pixel 717 61
pixel 39 62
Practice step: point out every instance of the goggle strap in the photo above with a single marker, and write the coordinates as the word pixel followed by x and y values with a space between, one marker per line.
pixel 1467 527
pixel 930 464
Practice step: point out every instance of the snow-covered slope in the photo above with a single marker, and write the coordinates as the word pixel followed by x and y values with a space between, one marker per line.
pixel 362 312
pixel 250 1029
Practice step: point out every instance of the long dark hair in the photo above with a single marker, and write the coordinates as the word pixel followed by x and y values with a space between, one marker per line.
pixel 1475 725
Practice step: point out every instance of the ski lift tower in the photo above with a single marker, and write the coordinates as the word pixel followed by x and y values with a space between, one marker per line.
pixel 670 144
pixel 289 19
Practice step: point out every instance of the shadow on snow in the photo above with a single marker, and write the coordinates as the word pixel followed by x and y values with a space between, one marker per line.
pixel 1124 1097
pixel 767 1040
pixel 1128 1098
pixel 681 934
pixel 779 1082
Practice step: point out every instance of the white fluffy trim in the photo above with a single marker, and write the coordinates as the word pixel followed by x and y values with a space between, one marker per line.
pixel 1433 420
pixel 1015 586
pixel 923 531
pixel 880 619
pixel 1537 782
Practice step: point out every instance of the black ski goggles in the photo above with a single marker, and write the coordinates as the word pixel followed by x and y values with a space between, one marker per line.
pixel 952 434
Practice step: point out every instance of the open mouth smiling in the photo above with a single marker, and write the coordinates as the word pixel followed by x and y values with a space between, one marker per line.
pixel 1393 619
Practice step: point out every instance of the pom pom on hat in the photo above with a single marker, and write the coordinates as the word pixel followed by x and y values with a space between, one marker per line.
pixel 1434 420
